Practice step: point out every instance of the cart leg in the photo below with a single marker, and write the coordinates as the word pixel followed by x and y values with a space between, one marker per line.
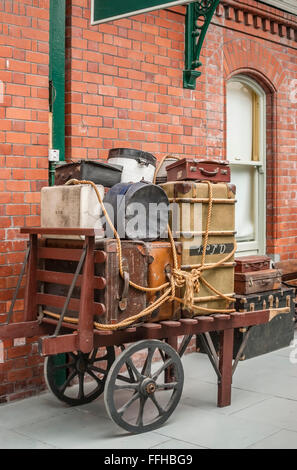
pixel 225 367
pixel 86 316
pixel 169 372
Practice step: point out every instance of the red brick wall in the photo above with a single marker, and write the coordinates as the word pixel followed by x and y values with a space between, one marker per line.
pixel 124 88
pixel 24 46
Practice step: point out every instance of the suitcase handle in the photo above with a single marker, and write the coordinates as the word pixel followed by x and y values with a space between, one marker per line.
pixel 209 173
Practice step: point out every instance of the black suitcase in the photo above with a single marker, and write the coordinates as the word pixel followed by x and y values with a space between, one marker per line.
pixel 262 339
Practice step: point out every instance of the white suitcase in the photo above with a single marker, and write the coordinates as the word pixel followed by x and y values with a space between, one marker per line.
pixel 71 207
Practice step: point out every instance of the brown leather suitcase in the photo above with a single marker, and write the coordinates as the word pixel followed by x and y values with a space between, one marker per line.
pixel 247 264
pixel 159 271
pixel 217 171
pixel 257 281
pixel 120 300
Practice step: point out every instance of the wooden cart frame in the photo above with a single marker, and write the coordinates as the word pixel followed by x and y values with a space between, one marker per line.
pixel 58 336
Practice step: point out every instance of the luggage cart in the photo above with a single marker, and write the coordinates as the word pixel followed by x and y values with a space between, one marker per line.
pixel 148 369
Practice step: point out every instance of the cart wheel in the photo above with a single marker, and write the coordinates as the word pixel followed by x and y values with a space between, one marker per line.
pixel 136 395
pixel 77 378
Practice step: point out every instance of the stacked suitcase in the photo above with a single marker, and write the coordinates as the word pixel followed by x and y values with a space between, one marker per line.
pixel 258 287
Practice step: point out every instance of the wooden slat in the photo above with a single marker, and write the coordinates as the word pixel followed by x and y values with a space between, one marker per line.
pixel 68 254
pixel 66 278
pixel 205 319
pixel 221 316
pixel 170 323
pixel 151 326
pixel 74 304
pixel 89 232
pixel 21 329
pixel 48 345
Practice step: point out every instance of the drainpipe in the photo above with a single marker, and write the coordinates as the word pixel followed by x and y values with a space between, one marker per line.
pixel 56 86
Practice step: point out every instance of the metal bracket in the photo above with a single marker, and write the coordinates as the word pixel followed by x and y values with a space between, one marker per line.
pixel 198 18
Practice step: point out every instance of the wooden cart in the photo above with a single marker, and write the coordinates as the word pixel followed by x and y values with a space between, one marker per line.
pixel 143 384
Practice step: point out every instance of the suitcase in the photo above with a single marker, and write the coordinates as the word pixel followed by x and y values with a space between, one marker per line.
pixel 99 172
pixel 188 223
pixel 120 300
pixel 247 264
pixel 217 171
pixel 159 270
pixel 262 339
pixel 71 206
pixel 257 281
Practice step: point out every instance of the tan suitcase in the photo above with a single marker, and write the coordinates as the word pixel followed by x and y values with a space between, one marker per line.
pixel 159 271
pixel 189 223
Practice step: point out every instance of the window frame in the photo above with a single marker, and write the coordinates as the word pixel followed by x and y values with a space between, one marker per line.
pixel 257 246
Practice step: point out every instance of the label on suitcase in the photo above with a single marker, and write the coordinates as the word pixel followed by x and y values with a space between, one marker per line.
pixel 247 264
pixel 199 170
pixel 257 281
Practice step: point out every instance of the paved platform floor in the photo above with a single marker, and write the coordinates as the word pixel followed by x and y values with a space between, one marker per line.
pixel 263 414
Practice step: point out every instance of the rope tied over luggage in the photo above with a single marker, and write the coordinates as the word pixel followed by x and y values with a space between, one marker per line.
pixel 179 278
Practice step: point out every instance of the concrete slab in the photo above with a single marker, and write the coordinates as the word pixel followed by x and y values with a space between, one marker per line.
pixel 281 440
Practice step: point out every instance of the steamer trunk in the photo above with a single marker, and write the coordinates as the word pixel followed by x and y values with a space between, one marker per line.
pixel 189 222
pixel 271 336
pixel 276 334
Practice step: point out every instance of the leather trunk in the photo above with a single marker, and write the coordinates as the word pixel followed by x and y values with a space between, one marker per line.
pixel 257 281
pixel 188 223
pixel 119 302
pixel 199 170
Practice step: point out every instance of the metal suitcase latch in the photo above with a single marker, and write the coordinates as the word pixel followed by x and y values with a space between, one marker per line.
pixel 124 300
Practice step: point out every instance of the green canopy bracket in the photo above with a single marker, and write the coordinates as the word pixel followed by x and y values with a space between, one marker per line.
pixel 198 18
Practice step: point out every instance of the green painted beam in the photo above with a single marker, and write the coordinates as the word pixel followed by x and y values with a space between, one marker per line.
pixel 57 80
pixel 108 10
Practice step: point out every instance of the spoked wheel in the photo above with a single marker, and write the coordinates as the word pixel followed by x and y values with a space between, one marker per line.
pixel 77 378
pixel 136 395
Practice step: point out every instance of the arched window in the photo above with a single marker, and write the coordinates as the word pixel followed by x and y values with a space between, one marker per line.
pixel 246 152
